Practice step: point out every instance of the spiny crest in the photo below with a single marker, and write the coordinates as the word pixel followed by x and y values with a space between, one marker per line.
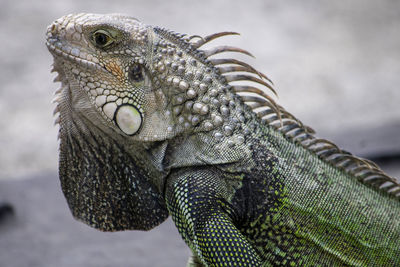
pixel 276 116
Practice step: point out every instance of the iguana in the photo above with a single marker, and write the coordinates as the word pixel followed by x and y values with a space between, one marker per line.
pixel 152 124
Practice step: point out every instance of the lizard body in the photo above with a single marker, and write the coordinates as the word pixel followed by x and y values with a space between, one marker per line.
pixel 152 125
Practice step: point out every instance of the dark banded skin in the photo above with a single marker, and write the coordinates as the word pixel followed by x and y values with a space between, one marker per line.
pixel 153 125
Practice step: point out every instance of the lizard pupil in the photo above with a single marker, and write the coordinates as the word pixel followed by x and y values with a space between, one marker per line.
pixel 101 39
pixel 136 73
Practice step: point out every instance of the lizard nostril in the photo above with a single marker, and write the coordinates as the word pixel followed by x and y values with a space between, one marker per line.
pixel 52 30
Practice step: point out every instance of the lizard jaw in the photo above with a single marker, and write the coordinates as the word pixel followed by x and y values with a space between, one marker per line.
pixel 60 48
pixel 61 52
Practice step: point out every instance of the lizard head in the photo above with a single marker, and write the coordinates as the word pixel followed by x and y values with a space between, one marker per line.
pixel 107 62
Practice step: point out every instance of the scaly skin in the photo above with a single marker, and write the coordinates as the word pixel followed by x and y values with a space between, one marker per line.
pixel 151 126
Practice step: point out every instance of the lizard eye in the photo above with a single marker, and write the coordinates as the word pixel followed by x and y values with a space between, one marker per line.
pixel 102 38
pixel 136 73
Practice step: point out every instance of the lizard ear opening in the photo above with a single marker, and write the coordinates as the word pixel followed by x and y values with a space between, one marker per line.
pixel 102 184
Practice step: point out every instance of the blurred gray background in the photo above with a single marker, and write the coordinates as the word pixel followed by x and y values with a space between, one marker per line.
pixel 335 65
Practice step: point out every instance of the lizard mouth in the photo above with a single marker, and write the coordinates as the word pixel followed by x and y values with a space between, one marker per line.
pixel 73 54
pixel 60 46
